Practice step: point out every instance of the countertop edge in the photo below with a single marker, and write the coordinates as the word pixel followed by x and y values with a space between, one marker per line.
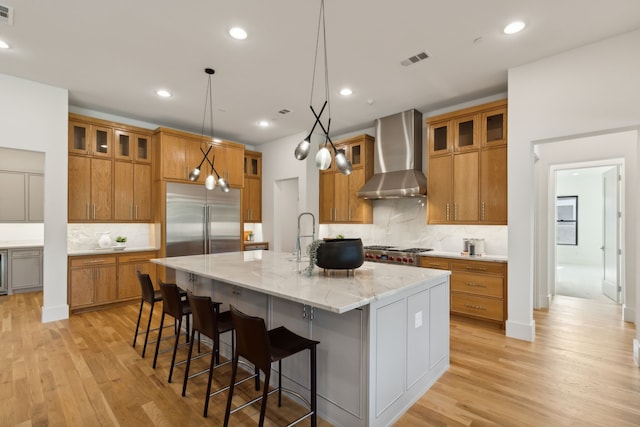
pixel 109 251
pixel 455 255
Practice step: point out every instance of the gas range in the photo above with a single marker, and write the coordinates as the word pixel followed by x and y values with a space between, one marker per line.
pixel 393 254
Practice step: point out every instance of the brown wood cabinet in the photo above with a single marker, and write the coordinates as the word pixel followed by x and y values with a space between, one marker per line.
pixel 90 183
pixel 90 138
pixel 338 200
pixel 252 191
pixel 467 166
pixel 478 288
pixel 132 195
pixel 97 281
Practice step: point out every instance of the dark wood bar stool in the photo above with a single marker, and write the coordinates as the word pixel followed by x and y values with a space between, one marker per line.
pixel 149 296
pixel 261 348
pixel 177 307
pixel 207 321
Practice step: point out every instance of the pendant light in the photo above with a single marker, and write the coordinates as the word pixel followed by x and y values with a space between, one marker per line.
pixel 210 181
pixel 323 157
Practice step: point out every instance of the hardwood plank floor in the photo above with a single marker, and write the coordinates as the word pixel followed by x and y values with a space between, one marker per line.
pixel 579 371
pixel 84 372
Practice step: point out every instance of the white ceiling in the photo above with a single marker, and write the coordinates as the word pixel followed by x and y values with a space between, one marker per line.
pixel 113 55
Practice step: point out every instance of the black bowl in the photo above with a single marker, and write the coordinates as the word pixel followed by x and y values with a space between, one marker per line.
pixel 340 254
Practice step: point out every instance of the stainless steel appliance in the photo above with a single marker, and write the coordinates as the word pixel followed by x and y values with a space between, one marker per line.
pixel 200 221
pixel 4 259
pixel 393 254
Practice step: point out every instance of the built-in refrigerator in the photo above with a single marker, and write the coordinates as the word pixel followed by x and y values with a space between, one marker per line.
pixel 200 221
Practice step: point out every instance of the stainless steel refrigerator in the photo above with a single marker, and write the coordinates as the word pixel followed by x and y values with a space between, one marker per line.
pixel 200 221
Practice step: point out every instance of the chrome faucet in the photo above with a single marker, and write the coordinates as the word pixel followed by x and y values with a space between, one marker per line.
pixel 312 235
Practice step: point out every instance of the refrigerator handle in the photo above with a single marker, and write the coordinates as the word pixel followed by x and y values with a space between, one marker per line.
pixel 206 230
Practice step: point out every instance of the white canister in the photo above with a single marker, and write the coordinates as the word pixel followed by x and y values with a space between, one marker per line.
pixel 104 241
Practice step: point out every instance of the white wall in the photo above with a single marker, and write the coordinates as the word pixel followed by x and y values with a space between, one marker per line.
pixel 589 89
pixel 588 188
pixel 34 117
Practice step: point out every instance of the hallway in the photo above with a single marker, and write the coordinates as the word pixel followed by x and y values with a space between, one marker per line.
pixel 580 281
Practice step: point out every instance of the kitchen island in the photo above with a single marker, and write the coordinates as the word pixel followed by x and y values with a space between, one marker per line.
pixel 383 329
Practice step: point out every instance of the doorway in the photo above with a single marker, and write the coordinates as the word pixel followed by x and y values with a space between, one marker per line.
pixel 285 215
pixel 587 233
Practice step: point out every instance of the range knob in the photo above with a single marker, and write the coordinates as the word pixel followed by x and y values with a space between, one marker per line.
pixel 410 261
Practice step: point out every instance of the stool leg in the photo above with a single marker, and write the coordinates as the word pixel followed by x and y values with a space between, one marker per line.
pixel 175 348
pixel 146 335
pixel 186 369
pixel 280 382
pixel 211 368
pixel 155 357
pixel 265 394
pixel 314 396
pixel 135 336
pixel 234 371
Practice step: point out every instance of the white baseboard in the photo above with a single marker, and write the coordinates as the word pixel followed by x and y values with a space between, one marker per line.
pixel 521 331
pixel 51 314
pixel 628 313
pixel 636 352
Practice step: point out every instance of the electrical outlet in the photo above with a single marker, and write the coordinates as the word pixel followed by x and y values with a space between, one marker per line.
pixel 418 319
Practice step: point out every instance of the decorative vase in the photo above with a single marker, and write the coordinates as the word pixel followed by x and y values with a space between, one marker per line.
pixel 340 254
pixel 104 241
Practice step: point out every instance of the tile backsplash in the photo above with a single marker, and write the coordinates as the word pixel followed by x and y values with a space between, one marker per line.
pixel 84 236
pixel 403 222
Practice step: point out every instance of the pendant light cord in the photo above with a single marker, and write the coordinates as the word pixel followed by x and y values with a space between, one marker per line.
pixel 321 26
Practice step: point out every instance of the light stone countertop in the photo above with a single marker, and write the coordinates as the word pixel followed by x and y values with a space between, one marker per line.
pixel 276 274
pixel 98 251
pixel 458 255
pixel 19 244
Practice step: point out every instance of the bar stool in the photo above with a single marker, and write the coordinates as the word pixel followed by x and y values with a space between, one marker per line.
pixel 262 348
pixel 207 321
pixel 175 306
pixel 150 296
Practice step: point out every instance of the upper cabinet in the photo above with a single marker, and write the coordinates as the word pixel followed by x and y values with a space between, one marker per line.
pixel 252 191
pixel 181 152
pixel 109 171
pixel 22 197
pixel 467 166
pixel 339 202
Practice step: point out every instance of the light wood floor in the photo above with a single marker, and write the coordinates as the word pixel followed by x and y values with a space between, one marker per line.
pixel 84 372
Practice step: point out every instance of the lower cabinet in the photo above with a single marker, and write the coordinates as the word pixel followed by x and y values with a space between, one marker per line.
pixel 25 270
pixel 478 288
pixel 97 281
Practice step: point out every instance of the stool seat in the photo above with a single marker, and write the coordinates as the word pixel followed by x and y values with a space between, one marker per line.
pixel 261 348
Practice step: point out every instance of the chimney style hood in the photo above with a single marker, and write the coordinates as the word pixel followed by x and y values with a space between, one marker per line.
pixel 398 158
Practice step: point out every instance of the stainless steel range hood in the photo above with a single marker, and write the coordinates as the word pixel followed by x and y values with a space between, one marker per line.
pixel 398 158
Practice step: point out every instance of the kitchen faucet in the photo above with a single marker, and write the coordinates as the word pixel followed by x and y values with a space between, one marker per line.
pixel 312 235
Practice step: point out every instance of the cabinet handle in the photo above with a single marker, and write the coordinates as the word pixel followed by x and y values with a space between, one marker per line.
pixel 94 211
pixel 136 211
pixel 475 285
pixel 483 211
pixel 475 268
pixel 94 261
pixel 455 211
pixel 435 264
pixel 130 212
pixel 475 307
pixel 447 211
pixel 304 311
pixel 87 211
pixel 311 313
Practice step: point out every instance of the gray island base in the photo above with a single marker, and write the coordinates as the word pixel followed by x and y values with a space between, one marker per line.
pixel 383 331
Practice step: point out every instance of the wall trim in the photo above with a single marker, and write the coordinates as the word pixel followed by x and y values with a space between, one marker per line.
pixel 521 331
pixel 53 313
pixel 628 313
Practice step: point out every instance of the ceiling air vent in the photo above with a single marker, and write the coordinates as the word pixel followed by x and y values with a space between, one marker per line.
pixel 415 58
pixel 6 14
pixel 284 111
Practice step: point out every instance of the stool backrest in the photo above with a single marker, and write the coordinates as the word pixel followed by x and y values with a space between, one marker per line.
pixel 146 286
pixel 252 339
pixel 205 317
pixel 171 301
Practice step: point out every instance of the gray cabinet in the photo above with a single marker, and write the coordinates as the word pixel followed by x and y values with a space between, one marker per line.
pixel 25 270
pixel 22 197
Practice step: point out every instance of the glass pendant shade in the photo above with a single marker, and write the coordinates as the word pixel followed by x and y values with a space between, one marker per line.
pixel 343 164
pixel 194 174
pixel 210 182
pixel 323 159
pixel 223 184
pixel 302 150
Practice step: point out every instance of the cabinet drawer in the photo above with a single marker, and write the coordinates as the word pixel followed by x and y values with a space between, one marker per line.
pixel 479 284
pixel 478 266
pixel 477 306
pixel 25 253
pixel 434 262
pixel 136 257
pixel 94 261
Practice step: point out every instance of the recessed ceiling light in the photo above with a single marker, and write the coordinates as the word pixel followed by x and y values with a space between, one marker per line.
pixel 345 91
pixel 263 124
pixel 514 27
pixel 163 93
pixel 238 33
pixel 3 45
